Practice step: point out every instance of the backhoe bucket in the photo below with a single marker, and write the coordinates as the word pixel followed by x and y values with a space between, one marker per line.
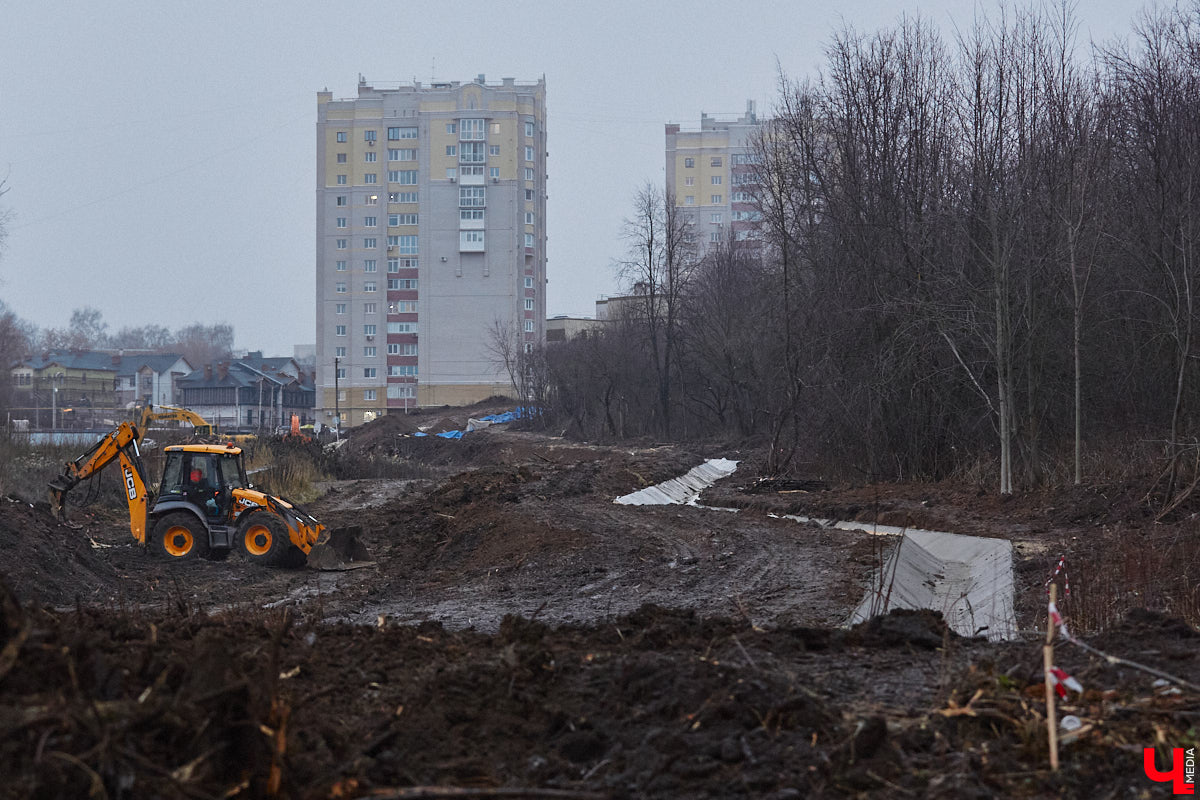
pixel 339 549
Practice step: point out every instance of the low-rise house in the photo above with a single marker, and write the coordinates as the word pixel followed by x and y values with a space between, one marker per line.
pixel 150 379
pixel 241 395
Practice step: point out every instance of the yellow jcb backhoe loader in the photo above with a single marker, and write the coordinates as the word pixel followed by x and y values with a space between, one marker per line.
pixel 206 508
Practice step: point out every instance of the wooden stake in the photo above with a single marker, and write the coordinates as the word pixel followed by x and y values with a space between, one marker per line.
pixel 1047 664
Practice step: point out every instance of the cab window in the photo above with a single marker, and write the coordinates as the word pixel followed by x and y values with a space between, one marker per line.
pixel 230 475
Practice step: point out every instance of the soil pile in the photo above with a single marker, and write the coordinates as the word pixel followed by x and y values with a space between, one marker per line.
pixel 47 561
pixel 658 704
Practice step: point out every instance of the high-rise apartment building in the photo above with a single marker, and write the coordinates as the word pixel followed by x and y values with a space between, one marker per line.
pixel 431 237
pixel 711 173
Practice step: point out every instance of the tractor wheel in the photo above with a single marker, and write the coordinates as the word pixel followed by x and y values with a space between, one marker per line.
pixel 180 537
pixel 264 540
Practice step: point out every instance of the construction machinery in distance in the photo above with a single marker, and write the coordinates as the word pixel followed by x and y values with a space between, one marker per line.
pixel 206 508
pixel 148 413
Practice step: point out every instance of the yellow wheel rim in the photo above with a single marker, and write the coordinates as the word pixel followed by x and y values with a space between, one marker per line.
pixel 258 540
pixel 178 541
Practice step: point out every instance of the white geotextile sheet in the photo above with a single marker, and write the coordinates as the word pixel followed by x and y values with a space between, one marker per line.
pixel 967 578
pixel 682 490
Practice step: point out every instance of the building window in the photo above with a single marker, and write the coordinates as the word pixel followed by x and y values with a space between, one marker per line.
pixel 369 372
pixel 451 127
pixel 716 199
pixel 528 282
pixel 470 129
pixel 341 136
pixel 341 180
pixel 494 173
pixel 370 222
pixel 402 197
pixel 403 307
pixel 369 394
pixel 471 241
pixel 451 172
pixel 341 373
pixel 369 286
pixel 529 304
pixel 369 157
pixel 496 128
pixel 689 181
pixel 404 283
pixel 716 180
pixel 528 153
pixel 408 245
pixel 529 129
pixel 689 200
pixel 528 217
pixel 402 219
pixel 398 391
pixel 339 308
pixel 341 158
pixel 368 136
pixel 470 214
pixel 529 326
pixel 369 177
pixel 369 265
pixel 340 266
pixel 529 240
pixel 529 195
pixel 369 308
pixel 471 153
pixel 401 370
pixel 715 236
pixel 339 330
pixel 340 287
pixel 341 222
pixel 494 150
pixel 372 199
pixel 451 149
pixel 715 162
pixel 339 352
pixel 529 173
pixel 397 154
pixel 716 219
pixel 368 330
pixel 395 134
pixel 370 242
pixel 689 162
pixel 471 197
pixel 402 327
pixel 369 351
pixel 404 177
pixel 341 199
pixel 341 244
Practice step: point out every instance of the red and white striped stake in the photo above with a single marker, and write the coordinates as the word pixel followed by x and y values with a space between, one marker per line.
pixel 1061 566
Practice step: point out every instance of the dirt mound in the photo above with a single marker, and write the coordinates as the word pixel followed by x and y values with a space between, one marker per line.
pixel 49 562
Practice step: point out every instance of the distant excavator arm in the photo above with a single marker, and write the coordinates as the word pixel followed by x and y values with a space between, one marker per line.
pixel 167 413
pixel 119 445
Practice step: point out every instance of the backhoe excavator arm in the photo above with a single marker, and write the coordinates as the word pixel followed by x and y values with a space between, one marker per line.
pixel 120 444
pixel 173 413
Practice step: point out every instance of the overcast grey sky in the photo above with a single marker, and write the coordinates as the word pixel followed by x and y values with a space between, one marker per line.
pixel 160 154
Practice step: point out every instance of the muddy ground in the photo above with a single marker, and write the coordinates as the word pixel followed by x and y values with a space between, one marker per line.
pixel 520 631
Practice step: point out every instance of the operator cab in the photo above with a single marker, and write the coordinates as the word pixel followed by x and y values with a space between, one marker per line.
pixel 203 475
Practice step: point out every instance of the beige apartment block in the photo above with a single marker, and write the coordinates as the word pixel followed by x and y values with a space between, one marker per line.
pixel 712 172
pixel 430 242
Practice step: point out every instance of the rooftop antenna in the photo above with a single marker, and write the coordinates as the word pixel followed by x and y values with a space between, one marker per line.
pixel 433 70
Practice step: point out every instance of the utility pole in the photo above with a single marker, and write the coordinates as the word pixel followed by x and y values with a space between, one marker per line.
pixel 337 408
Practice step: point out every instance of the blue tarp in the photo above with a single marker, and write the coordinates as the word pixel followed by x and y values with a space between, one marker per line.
pixel 495 419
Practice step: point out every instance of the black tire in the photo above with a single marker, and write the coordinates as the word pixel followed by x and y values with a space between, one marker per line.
pixel 179 537
pixel 263 539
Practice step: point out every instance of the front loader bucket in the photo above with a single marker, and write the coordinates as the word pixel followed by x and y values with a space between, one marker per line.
pixel 338 549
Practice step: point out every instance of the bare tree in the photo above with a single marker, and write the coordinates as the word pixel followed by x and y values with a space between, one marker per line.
pixel 659 271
